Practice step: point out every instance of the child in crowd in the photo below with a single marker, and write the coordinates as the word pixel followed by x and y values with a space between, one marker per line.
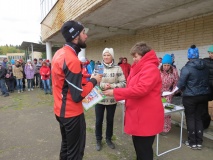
pixel 10 79
pixel 29 70
pixel 45 77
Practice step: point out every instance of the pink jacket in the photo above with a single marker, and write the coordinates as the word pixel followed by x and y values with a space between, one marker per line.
pixel 169 80
pixel 144 114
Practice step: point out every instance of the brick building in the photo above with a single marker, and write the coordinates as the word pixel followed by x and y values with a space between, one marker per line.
pixel 167 26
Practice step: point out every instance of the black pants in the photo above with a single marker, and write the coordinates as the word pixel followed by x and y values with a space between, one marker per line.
pixel 99 114
pixel 195 106
pixel 73 133
pixel 143 147
pixel 10 84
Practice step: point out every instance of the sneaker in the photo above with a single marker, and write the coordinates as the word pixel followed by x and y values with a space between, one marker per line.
pixel 110 144
pixel 199 146
pixel 31 89
pixel 98 145
pixel 28 89
pixel 18 91
pixel 190 146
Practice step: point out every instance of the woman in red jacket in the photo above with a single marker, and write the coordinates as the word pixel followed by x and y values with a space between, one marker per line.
pixel 125 67
pixel 45 77
pixel 144 113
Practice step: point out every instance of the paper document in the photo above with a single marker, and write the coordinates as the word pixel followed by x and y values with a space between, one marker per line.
pixel 166 93
pixel 93 98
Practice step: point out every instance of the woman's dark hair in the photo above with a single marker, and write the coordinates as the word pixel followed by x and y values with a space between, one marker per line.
pixel 141 48
pixel 193 46
pixel 169 71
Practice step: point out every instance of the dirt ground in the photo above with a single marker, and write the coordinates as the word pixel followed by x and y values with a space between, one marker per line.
pixel 29 131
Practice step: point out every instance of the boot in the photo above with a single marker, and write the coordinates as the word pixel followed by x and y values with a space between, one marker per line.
pixel 110 144
pixel 98 145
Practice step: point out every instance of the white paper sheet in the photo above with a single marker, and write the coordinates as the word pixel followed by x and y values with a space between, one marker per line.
pixel 166 93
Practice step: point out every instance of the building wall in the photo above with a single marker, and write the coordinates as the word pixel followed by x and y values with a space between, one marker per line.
pixel 170 38
pixel 15 56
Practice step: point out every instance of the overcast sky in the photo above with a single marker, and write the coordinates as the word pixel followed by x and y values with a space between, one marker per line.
pixel 20 21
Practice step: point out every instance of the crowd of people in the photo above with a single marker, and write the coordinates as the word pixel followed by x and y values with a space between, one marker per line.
pixel 141 86
pixel 20 76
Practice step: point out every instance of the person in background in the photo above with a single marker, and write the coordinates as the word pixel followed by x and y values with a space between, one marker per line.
pixel 45 77
pixel 120 61
pixel 68 91
pixel 173 60
pixel 3 71
pixel 169 77
pixel 86 73
pixel 113 77
pixel 23 72
pixel 194 83
pixel 125 67
pixel 18 73
pixel 9 78
pixel 144 113
pixel 13 65
pixel 206 118
pixel 92 64
pixel 36 74
pixel 4 63
pixel 48 63
pixel 38 66
pixel 29 70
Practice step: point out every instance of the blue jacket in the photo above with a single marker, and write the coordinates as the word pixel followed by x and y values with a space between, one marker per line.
pixel 193 79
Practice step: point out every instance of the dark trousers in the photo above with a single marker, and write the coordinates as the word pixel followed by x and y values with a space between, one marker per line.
pixel 23 84
pixel 73 133
pixel 10 84
pixel 37 80
pixel 195 106
pixel 143 147
pixel 3 86
pixel 99 114
pixel 29 83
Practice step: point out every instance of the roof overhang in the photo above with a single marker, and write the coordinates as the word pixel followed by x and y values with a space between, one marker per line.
pixel 119 17
pixel 30 46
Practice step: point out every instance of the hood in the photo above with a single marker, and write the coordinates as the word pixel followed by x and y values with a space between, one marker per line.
pixel 196 63
pixel 148 58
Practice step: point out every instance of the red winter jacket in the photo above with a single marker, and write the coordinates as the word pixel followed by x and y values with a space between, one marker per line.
pixel 144 114
pixel 67 86
pixel 126 69
pixel 45 72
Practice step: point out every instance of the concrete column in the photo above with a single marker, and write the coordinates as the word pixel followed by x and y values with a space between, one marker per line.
pixel 32 56
pixel 49 50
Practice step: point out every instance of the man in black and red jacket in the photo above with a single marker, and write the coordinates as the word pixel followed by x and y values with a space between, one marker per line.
pixel 68 91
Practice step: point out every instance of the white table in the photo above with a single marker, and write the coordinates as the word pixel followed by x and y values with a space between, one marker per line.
pixel 179 109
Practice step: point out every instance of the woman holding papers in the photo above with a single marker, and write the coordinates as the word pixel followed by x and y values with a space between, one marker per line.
pixel 113 77
pixel 144 112
pixel 169 76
